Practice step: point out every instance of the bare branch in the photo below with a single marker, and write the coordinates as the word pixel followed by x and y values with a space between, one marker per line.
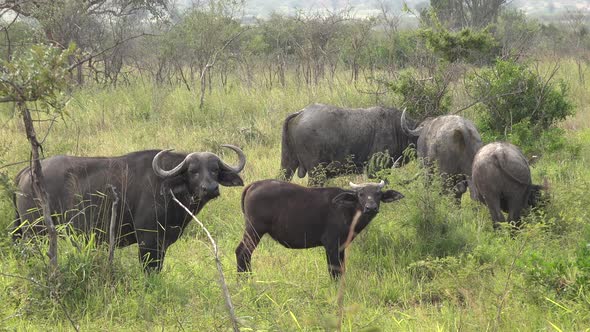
pixel 88 58
pixel 224 288
pixel 342 286
pixel 541 95
pixel 488 98
pixel 14 164
pixel 112 226
pixel 8 100
pixel 211 63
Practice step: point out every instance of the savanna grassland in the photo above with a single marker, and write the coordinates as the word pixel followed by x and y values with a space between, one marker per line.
pixel 422 265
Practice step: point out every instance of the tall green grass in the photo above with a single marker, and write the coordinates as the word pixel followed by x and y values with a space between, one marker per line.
pixel 422 264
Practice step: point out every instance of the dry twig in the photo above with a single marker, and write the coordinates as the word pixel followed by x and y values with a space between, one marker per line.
pixel 112 226
pixel 226 295
pixel 342 286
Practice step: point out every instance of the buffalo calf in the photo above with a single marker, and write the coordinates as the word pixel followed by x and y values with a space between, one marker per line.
pixel 300 217
pixel 502 180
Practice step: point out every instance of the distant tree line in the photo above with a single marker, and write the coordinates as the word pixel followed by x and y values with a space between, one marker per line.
pixel 207 43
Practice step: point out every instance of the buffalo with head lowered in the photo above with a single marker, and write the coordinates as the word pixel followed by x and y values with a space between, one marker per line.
pixel 328 135
pixel 502 181
pixel 81 188
pixel 449 143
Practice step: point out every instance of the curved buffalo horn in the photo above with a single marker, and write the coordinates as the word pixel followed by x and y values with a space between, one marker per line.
pixel 396 163
pixel 354 186
pixel 173 172
pixel 359 186
pixel 241 157
pixel 406 129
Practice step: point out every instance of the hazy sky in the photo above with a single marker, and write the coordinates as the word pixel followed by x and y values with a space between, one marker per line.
pixel 364 7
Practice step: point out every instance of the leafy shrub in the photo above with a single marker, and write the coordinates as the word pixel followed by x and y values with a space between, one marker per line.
pixel 478 47
pixel 423 97
pixel 524 135
pixel 401 51
pixel 433 219
pixel 322 172
pixel 378 162
pixel 519 105
pixel 568 278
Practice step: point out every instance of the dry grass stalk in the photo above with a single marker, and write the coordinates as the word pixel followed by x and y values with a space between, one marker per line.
pixel 226 295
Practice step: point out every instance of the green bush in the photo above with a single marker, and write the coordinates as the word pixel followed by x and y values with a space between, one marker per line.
pixel 478 47
pixel 378 162
pixel 405 45
pixel 422 97
pixel 519 105
pixel 566 277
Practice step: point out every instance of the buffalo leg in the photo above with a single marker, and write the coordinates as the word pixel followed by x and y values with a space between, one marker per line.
pixel 246 248
pixel 514 211
pixel 495 211
pixel 335 258
pixel 152 259
pixel 16 229
pixel 151 253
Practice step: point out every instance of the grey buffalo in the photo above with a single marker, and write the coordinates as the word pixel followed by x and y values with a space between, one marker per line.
pixel 300 217
pixel 450 143
pixel 327 135
pixel 502 181
pixel 80 187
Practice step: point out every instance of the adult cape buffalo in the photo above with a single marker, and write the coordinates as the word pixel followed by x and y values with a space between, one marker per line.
pixel 450 143
pixel 502 181
pixel 81 188
pixel 327 135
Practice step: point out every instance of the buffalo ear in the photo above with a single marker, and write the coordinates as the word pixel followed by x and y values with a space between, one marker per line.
pixel 461 187
pixel 346 198
pixel 229 179
pixel 391 196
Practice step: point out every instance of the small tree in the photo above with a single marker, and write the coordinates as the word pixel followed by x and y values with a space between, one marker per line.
pixel 423 97
pixel 516 34
pixel 579 39
pixel 458 14
pixel 467 45
pixel 37 75
pixel 517 101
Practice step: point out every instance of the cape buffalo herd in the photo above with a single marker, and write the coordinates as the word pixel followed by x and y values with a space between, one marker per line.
pixel 78 188
pixel 82 190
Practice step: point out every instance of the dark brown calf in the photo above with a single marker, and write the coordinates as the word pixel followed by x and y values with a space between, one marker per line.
pixel 300 217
